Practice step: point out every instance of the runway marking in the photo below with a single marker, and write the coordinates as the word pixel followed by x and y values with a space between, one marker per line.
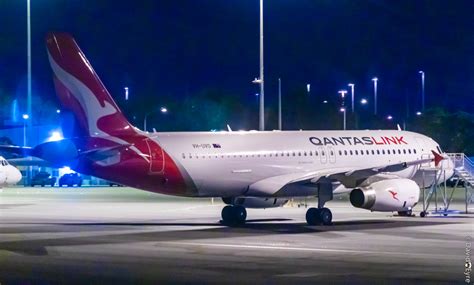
pixel 308 249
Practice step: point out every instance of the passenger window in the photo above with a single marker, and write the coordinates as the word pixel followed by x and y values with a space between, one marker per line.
pixel 316 153
pixel 409 151
pixel 404 151
pixel 340 152
pixel 378 151
pixel 345 152
pixel 350 152
pixel 373 152
pixel 414 151
pixel 383 151
pixel 332 153
pixel 399 152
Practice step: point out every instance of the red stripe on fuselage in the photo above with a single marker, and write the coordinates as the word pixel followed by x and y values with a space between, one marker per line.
pixel 133 170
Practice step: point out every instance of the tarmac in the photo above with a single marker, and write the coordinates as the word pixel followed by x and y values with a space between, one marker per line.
pixel 121 235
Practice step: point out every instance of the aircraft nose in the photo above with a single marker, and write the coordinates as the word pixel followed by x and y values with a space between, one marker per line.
pixel 14 177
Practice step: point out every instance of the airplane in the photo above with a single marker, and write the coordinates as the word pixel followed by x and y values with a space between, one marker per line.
pixel 9 175
pixel 380 170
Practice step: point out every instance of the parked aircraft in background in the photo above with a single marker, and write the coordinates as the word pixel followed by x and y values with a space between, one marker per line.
pixel 9 174
pixel 380 169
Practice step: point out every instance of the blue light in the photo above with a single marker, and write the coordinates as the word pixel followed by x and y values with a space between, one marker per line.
pixel 55 136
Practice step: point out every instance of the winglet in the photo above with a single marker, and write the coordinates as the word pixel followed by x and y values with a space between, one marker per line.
pixel 437 157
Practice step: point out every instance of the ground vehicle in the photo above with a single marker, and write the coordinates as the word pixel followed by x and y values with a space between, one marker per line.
pixel 70 180
pixel 43 178
pixel 453 180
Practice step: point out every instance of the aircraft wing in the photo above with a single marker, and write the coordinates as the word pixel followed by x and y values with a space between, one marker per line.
pixel 305 182
pixel 59 152
pixel 15 151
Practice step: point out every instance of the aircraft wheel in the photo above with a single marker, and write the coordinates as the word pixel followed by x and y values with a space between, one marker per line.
pixel 240 214
pixel 313 216
pixel 423 214
pixel 326 216
pixel 233 215
pixel 226 214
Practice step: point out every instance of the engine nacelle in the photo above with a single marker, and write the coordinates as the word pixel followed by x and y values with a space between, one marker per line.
pixel 254 202
pixel 387 195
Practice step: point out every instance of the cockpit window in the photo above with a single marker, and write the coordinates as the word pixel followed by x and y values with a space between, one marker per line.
pixel 439 149
pixel 4 163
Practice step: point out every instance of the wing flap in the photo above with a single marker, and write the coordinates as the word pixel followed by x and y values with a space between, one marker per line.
pixel 293 184
pixel 305 183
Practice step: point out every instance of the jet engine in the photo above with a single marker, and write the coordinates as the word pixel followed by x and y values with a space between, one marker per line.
pixel 254 202
pixel 387 195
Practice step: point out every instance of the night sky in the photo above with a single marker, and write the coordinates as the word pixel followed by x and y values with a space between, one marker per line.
pixel 179 48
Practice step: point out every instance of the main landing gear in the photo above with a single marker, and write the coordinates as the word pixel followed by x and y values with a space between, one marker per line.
pixel 321 215
pixel 316 216
pixel 234 215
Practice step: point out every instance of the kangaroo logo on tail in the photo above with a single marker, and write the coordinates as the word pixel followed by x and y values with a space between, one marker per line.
pixel 80 89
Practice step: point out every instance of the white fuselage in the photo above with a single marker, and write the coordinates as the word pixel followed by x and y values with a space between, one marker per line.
pixel 9 175
pixel 226 163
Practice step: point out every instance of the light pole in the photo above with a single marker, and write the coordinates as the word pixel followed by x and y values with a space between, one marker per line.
pixel 261 121
pixel 375 79
pixel 28 32
pixel 279 104
pixel 25 119
pixel 351 85
pixel 163 110
pixel 343 108
pixel 126 93
pixel 422 90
